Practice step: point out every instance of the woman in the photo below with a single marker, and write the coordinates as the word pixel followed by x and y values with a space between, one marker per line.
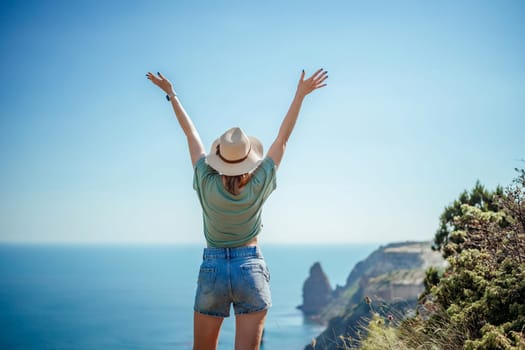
pixel 232 182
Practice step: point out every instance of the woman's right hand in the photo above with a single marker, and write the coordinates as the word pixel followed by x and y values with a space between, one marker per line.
pixel 161 82
pixel 313 83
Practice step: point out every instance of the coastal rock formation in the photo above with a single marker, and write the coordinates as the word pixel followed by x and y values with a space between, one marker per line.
pixel 391 277
pixel 317 291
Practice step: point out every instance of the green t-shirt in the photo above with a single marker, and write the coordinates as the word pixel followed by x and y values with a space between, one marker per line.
pixel 230 220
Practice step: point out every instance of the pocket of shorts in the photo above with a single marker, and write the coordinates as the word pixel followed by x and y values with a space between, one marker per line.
pixel 206 280
pixel 256 275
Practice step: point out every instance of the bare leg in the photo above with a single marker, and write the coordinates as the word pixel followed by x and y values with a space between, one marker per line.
pixel 248 330
pixel 206 331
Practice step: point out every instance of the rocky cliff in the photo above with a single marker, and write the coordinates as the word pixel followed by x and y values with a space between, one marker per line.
pixel 392 277
pixel 317 292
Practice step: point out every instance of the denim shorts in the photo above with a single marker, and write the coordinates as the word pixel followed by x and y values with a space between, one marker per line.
pixel 237 276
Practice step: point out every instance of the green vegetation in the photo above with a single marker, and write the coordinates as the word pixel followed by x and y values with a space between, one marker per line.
pixel 479 198
pixel 478 301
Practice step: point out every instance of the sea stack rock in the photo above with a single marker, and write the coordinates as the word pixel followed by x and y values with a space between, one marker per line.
pixel 392 277
pixel 317 291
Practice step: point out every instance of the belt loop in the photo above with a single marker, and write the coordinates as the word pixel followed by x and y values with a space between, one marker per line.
pixel 228 253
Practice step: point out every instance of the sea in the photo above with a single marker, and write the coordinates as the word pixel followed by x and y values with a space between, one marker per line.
pixel 98 296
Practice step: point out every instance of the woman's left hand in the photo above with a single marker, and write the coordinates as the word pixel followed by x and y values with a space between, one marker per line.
pixel 161 82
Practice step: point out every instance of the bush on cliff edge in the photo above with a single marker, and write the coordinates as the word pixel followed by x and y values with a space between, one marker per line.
pixel 479 300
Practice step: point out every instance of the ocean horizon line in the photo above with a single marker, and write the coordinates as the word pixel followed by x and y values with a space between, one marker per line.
pixel 194 244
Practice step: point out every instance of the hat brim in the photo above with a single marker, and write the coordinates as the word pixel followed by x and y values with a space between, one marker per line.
pixel 251 162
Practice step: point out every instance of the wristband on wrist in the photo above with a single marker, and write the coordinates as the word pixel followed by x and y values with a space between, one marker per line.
pixel 170 96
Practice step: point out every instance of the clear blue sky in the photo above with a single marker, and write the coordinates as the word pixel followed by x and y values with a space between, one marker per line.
pixel 423 99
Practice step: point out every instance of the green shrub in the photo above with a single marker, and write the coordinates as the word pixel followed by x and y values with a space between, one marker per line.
pixel 478 302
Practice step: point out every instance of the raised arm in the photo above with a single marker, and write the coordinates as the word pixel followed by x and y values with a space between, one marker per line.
pixel 192 135
pixel 304 87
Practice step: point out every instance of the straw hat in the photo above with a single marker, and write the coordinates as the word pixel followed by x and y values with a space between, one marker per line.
pixel 235 153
